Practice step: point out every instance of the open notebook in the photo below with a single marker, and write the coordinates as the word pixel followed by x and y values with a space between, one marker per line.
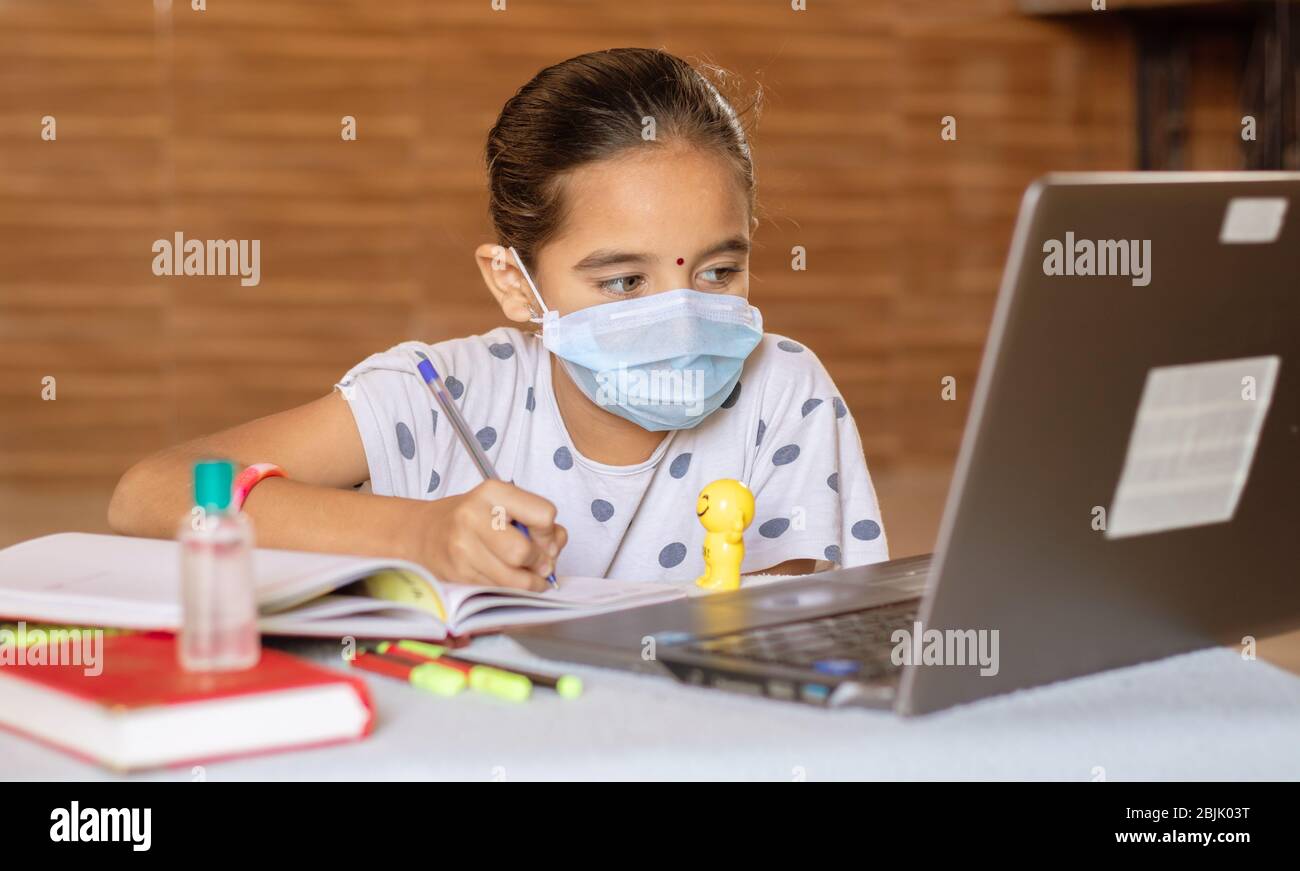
pixel 134 583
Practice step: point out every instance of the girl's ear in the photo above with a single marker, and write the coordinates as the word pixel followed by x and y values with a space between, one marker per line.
pixel 505 282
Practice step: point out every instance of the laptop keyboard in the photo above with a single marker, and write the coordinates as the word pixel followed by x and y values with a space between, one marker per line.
pixel 853 645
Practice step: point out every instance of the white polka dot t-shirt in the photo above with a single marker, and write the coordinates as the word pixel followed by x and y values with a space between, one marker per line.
pixel 784 432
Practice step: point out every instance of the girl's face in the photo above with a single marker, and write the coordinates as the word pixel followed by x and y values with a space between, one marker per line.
pixel 641 223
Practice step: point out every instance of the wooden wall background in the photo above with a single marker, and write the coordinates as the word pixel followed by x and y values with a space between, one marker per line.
pixel 225 124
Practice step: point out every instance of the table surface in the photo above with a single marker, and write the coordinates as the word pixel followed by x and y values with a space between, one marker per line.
pixel 1208 715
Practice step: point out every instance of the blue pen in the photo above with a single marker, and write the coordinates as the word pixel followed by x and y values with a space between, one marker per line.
pixel 452 413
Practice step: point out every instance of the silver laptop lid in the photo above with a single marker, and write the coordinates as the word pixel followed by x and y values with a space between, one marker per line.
pixel 1129 480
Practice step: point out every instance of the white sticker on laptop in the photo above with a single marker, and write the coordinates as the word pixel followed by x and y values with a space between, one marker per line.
pixel 1252 220
pixel 1192 445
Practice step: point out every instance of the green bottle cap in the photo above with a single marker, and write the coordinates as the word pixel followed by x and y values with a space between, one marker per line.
pixel 213 480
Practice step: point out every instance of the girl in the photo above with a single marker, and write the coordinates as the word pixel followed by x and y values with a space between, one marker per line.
pixel 621 190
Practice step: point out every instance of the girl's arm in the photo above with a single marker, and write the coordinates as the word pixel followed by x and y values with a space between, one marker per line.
pixel 459 538
pixel 789 567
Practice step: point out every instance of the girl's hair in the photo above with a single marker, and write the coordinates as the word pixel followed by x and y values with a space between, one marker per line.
pixel 592 107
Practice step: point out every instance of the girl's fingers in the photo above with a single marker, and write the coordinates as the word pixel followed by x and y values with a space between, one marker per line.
pixel 484 517
pixel 508 502
pixel 516 550
pixel 532 510
pixel 498 573
pixel 548 544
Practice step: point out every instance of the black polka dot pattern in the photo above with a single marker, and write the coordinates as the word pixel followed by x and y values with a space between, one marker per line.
pixel 434 480
pixel 487 437
pixel 866 530
pixel 775 527
pixel 834 481
pixel 405 441
pixel 733 398
pixel 786 455
pixel 680 464
pixel 562 458
pixel 502 350
pixel 672 555
pixel 809 406
pixel 787 345
pixel 454 386
pixel 531 402
pixel 601 510
pixel 833 554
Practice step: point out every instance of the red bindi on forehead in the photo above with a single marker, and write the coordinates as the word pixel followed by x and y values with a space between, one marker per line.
pixel 680 261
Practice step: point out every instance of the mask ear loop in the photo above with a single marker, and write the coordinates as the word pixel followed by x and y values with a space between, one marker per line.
pixel 519 261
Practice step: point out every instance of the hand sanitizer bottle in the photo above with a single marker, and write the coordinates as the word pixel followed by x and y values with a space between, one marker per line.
pixel 218 601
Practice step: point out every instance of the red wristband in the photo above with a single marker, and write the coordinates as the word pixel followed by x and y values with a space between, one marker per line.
pixel 249 478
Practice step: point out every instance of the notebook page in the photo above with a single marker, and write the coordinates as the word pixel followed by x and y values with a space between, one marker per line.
pixel 134 583
pixel 576 595
pixel 333 616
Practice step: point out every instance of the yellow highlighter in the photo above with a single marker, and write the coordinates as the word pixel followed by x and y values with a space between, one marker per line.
pixel 432 677
pixel 567 686
pixel 484 678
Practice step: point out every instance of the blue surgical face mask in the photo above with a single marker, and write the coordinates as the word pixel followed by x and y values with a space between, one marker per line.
pixel 664 361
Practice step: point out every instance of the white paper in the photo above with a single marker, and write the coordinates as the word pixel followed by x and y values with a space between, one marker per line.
pixel 1192 445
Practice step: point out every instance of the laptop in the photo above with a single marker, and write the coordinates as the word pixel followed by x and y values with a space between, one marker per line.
pixel 1128 484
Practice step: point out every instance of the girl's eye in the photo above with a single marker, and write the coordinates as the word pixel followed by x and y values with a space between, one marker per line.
pixel 623 285
pixel 719 274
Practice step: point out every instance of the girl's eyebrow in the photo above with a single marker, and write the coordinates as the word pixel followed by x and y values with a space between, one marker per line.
pixel 734 245
pixel 603 257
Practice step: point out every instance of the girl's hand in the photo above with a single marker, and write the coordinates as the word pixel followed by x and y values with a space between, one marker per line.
pixel 468 539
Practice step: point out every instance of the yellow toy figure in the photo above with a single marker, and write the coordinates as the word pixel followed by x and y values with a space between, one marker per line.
pixel 725 508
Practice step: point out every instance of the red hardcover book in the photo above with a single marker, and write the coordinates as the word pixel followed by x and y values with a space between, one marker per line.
pixel 142 711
